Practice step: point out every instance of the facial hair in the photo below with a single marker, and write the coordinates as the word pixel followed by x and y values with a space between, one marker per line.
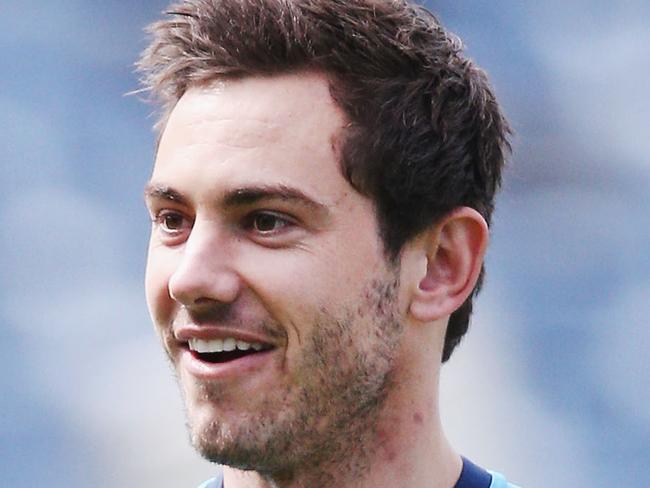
pixel 324 423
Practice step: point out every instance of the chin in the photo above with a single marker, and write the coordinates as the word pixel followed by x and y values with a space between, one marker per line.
pixel 222 436
pixel 235 444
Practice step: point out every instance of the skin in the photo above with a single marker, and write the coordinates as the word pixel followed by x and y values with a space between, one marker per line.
pixel 256 230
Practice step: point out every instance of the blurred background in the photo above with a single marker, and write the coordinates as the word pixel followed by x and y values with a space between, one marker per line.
pixel 552 385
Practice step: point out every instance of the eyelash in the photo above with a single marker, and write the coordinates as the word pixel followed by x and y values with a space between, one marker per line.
pixel 253 218
pixel 159 220
pixel 251 223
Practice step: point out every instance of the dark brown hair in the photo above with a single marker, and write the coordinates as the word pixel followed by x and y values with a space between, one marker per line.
pixel 426 133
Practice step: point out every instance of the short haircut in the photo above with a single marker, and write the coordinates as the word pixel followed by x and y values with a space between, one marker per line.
pixel 425 134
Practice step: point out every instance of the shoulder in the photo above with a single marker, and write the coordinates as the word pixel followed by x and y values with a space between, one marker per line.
pixel 498 481
pixel 216 482
pixel 474 476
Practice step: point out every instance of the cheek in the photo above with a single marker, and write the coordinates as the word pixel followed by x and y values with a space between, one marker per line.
pixel 296 286
pixel 157 275
pixel 291 285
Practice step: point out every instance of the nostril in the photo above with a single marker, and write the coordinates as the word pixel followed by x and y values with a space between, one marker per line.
pixel 205 302
pixel 199 285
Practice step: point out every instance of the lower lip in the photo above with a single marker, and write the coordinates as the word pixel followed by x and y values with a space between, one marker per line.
pixel 229 369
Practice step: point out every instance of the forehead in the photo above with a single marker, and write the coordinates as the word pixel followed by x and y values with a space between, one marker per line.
pixel 252 130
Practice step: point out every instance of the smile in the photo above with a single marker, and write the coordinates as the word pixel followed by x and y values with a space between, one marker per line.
pixel 223 350
pixel 225 353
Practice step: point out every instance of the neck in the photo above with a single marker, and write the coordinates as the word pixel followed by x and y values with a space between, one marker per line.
pixel 404 446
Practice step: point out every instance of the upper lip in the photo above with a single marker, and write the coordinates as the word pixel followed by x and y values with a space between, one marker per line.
pixel 210 332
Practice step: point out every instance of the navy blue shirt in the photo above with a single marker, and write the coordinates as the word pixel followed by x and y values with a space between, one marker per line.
pixel 471 476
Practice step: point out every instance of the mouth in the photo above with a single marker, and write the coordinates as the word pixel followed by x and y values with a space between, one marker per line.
pixel 217 351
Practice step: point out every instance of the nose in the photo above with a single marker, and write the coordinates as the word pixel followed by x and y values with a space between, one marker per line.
pixel 204 274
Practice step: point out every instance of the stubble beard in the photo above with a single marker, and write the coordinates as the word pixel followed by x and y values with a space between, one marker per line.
pixel 323 429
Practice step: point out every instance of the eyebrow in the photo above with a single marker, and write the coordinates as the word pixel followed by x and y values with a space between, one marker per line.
pixel 163 192
pixel 255 194
pixel 243 196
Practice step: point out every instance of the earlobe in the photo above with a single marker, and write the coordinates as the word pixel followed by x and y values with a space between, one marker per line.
pixel 454 250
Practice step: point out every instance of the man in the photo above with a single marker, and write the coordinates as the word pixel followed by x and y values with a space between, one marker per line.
pixel 323 181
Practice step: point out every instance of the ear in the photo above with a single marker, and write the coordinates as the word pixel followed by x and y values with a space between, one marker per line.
pixel 453 249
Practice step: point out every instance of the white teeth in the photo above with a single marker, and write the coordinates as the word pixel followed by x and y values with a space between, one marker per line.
pixel 200 345
pixel 219 345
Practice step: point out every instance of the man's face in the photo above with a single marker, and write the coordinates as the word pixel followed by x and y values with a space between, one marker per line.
pixel 259 244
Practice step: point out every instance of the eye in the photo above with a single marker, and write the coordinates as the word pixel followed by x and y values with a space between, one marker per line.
pixel 171 222
pixel 266 223
pixel 172 225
